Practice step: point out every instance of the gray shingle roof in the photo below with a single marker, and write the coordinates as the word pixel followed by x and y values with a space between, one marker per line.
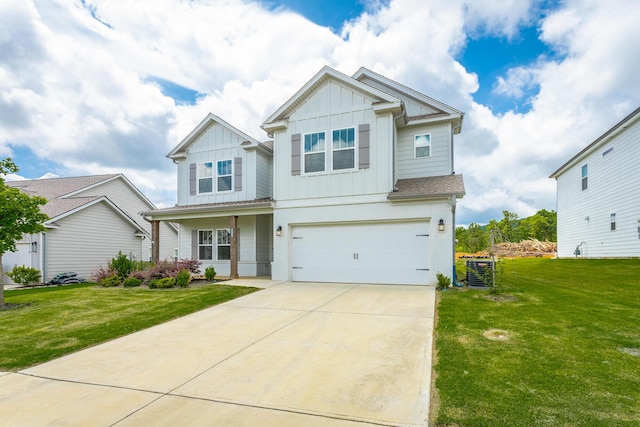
pixel 54 190
pixel 428 188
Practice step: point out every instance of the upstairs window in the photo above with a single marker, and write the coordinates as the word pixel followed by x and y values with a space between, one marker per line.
pixel 314 152
pixel 205 177
pixel 224 174
pixel 224 244
pixel 585 172
pixel 422 145
pixel 205 244
pixel 343 143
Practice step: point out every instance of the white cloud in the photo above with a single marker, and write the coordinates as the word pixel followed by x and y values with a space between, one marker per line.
pixel 75 89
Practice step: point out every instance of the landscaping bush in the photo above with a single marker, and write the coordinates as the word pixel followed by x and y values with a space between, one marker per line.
pixel 131 282
pixel 102 273
pixel 444 282
pixel 167 282
pixel 142 275
pixel 112 281
pixel 162 269
pixel 183 278
pixel 193 265
pixel 121 264
pixel 210 273
pixel 23 275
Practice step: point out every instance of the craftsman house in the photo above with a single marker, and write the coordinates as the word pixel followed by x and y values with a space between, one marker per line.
pixel 357 185
pixel 598 196
pixel 91 219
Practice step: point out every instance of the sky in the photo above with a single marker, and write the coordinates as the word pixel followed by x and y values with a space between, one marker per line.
pixel 103 86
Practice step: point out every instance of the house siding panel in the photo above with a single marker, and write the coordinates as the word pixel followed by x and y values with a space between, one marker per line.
pixel 439 163
pixel 612 188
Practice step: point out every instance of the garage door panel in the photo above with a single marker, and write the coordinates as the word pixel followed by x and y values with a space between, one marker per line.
pixel 361 253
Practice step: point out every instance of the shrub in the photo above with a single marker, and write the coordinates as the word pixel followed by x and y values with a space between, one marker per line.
pixel 193 265
pixel 24 275
pixel 131 282
pixel 102 273
pixel 210 273
pixel 444 282
pixel 162 269
pixel 122 264
pixel 167 282
pixel 183 278
pixel 111 281
pixel 142 275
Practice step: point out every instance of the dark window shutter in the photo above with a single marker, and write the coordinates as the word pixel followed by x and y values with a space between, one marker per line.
pixel 194 244
pixel 363 146
pixel 295 154
pixel 237 174
pixel 192 179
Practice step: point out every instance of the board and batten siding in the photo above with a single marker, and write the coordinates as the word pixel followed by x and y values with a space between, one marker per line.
pixel 123 196
pixel 438 164
pixel 335 106
pixel 89 238
pixel 612 188
pixel 216 143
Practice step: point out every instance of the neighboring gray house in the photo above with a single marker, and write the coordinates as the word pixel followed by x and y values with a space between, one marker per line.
pixel 357 186
pixel 91 219
pixel 598 196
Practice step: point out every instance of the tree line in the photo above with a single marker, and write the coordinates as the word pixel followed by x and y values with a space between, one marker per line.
pixel 476 237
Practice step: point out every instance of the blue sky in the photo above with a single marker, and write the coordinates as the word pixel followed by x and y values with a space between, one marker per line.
pixel 90 87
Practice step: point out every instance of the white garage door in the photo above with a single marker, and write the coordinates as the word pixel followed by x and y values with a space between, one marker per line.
pixel 393 253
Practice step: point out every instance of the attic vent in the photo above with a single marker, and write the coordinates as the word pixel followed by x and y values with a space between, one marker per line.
pixel 607 151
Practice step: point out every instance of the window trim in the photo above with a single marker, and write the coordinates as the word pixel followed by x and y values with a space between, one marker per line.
pixel 198 178
pixel 612 221
pixel 304 153
pixel 354 149
pixel 230 190
pixel 584 173
pixel 415 146
pixel 218 245
pixel 201 245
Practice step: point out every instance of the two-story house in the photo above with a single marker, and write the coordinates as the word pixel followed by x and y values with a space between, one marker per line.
pixel 598 197
pixel 357 186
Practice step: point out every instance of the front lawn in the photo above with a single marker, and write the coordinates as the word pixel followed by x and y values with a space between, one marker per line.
pixel 60 320
pixel 564 352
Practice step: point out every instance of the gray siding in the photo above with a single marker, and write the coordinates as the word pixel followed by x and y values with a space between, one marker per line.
pixel 264 173
pixel 612 188
pixel 439 163
pixel 88 239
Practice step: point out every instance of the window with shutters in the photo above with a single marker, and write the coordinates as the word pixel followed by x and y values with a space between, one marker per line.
pixel 205 178
pixel 223 244
pixel 314 152
pixel 205 245
pixel 224 176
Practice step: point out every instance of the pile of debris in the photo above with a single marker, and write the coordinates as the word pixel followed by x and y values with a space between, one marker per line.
pixel 526 248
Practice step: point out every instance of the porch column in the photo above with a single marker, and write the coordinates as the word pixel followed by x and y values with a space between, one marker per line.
pixel 155 241
pixel 234 247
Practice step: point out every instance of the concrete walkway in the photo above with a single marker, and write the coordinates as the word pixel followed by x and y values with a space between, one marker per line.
pixel 303 354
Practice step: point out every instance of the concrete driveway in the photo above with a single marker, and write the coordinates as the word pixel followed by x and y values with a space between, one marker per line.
pixel 292 354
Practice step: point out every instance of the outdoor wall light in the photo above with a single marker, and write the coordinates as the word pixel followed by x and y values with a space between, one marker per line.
pixel 441 225
pixel 279 231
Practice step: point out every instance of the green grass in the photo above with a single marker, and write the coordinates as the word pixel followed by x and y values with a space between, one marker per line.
pixel 562 363
pixel 56 321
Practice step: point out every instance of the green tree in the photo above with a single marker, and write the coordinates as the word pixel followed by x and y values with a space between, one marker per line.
pixel 19 214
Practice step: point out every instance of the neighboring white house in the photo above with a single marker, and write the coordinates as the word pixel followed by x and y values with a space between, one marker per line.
pixel 598 196
pixel 357 186
pixel 92 218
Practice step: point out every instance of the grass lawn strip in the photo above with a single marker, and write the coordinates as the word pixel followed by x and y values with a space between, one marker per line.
pixel 561 354
pixel 61 320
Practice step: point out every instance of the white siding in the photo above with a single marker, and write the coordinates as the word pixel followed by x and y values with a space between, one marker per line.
pixel 439 163
pixel 335 106
pixel 216 143
pixel 87 239
pixel 612 188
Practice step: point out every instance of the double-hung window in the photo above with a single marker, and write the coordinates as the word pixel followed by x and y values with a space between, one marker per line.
pixel 224 244
pixel 314 152
pixel 343 143
pixel 205 244
pixel 224 175
pixel 612 220
pixel 585 173
pixel 422 145
pixel 205 177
